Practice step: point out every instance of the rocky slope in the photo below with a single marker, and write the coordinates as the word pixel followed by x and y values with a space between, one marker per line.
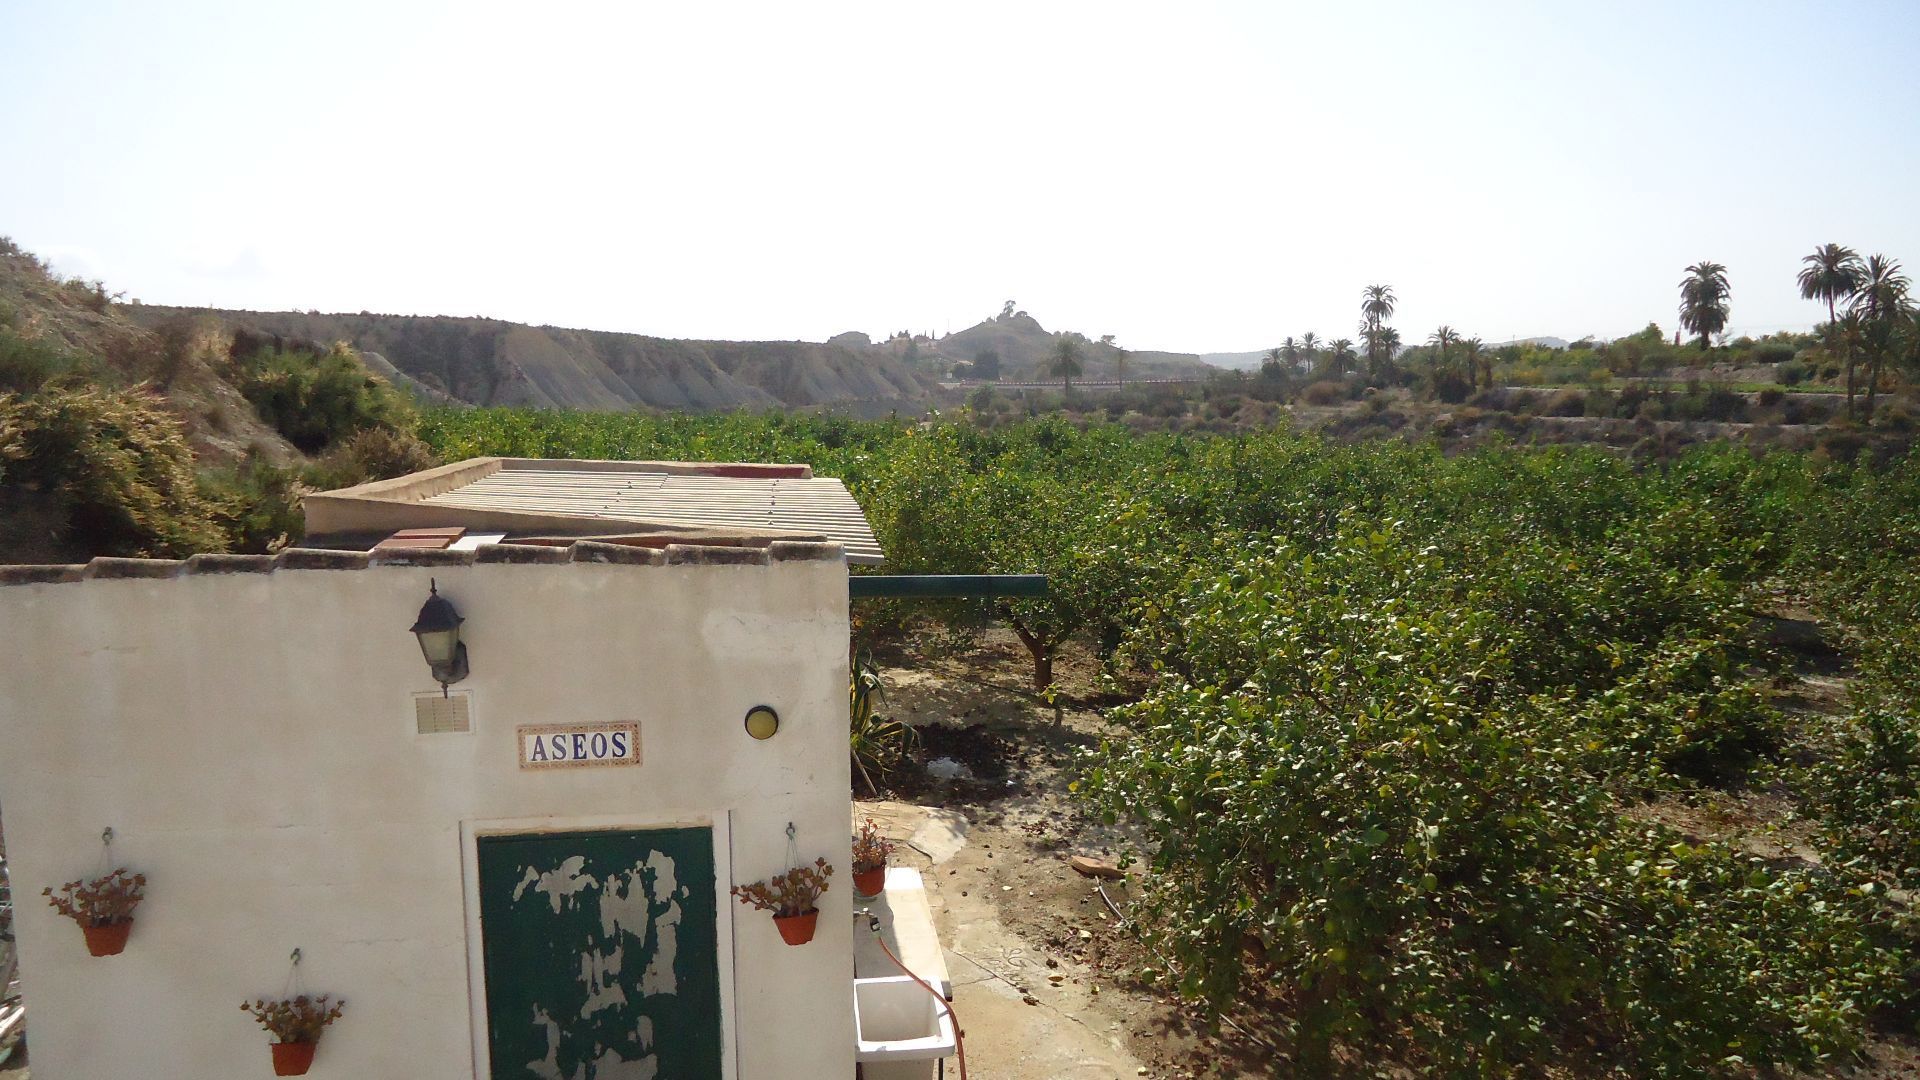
pixel 176 360
pixel 492 362
pixel 1025 349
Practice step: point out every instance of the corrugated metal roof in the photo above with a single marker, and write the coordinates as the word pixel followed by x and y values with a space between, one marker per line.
pixel 813 505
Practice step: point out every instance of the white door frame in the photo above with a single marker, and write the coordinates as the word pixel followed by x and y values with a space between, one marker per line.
pixel 721 824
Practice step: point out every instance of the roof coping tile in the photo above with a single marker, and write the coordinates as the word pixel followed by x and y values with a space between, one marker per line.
pixel 107 566
pixel 209 563
pixel 521 553
pixel 799 550
pixel 41 575
pixel 322 559
pixel 712 555
pixel 421 557
pixel 593 551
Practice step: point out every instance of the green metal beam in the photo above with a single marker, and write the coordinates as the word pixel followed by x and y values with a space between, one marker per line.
pixel 945 586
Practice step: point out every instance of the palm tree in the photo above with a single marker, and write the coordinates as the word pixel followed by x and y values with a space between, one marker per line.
pixel 1475 358
pixel 1441 340
pixel 1376 304
pixel 1849 337
pixel 1310 345
pixel 1273 365
pixel 1340 356
pixel 1703 300
pixel 1880 302
pixel 1066 361
pixel 1290 351
pixel 1389 340
pixel 1371 345
pixel 1832 273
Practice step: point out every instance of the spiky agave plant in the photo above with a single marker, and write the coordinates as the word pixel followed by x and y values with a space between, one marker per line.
pixel 877 744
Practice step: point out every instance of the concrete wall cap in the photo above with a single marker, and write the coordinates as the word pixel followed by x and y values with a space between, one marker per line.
pixel 710 555
pixel 799 550
pixel 321 559
pixel 210 563
pixel 421 557
pixel 593 551
pixel 581 551
pixel 543 554
pixel 41 575
pixel 109 567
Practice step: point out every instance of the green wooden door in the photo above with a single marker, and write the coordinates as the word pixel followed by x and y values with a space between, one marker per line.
pixel 602 959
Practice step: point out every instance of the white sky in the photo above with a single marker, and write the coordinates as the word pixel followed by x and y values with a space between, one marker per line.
pixel 1189 176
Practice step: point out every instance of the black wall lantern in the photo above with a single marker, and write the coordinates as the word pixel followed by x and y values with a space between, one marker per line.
pixel 438 629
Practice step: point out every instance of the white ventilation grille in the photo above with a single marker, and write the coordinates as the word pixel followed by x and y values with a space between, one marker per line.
pixel 437 715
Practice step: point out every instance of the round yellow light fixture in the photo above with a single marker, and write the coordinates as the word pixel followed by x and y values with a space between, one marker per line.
pixel 762 722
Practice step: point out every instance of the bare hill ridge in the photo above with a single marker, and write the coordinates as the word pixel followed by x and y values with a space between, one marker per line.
pixel 1025 349
pixel 494 362
pixel 173 359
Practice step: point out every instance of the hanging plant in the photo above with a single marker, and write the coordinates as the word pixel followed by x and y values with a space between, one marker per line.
pixel 295 1024
pixel 870 851
pixel 103 907
pixel 793 897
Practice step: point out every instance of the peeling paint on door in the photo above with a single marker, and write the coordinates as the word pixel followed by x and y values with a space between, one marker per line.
pixel 595 941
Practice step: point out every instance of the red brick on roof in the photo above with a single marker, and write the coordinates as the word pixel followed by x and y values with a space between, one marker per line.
pixel 421 540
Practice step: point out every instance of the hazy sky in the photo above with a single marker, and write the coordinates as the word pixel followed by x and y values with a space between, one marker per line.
pixel 1183 175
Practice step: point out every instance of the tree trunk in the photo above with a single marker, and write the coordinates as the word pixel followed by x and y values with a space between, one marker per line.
pixel 1042 654
pixel 1833 338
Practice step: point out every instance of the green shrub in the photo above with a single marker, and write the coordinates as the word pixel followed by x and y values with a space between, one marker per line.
pixel 256 505
pixel 1325 392
pixel 375 453
pixel 1342 797
pixel 27 364
pixel 1565 403
pixel 118 466
pixel 316 401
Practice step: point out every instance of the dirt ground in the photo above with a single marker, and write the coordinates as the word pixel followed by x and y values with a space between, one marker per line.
pixel 1040 964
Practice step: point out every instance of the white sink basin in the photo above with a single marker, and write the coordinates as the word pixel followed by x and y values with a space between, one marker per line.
pixel 895 1019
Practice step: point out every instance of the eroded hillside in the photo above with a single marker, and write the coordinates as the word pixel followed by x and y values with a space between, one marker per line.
pixel 492 362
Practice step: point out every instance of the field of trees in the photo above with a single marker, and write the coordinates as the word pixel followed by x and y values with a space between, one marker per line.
pixel 1400 728
pixel 1406 728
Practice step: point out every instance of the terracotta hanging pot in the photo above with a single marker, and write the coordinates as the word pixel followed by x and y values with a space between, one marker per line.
pixel 108 940
pixel 293 1059
pixel 797 929
pixel 870 883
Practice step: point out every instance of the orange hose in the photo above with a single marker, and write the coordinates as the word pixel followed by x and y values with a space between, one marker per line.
pixel 959 1038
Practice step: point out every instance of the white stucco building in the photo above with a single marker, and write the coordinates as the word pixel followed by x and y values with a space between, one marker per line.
pixel 495 882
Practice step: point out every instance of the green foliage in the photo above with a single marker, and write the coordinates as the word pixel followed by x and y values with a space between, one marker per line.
pixel 316 401
pixel 27 364
pixel 103 901
pixel 117 466
pixel 298 1019
pixel 793 892
pixel 374 453
pixel 256 505
pixel 1347 795
pixel 1869 790
pixel 1398 705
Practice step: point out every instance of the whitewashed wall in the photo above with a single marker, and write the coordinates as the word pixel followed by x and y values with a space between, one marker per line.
pixel 250 738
